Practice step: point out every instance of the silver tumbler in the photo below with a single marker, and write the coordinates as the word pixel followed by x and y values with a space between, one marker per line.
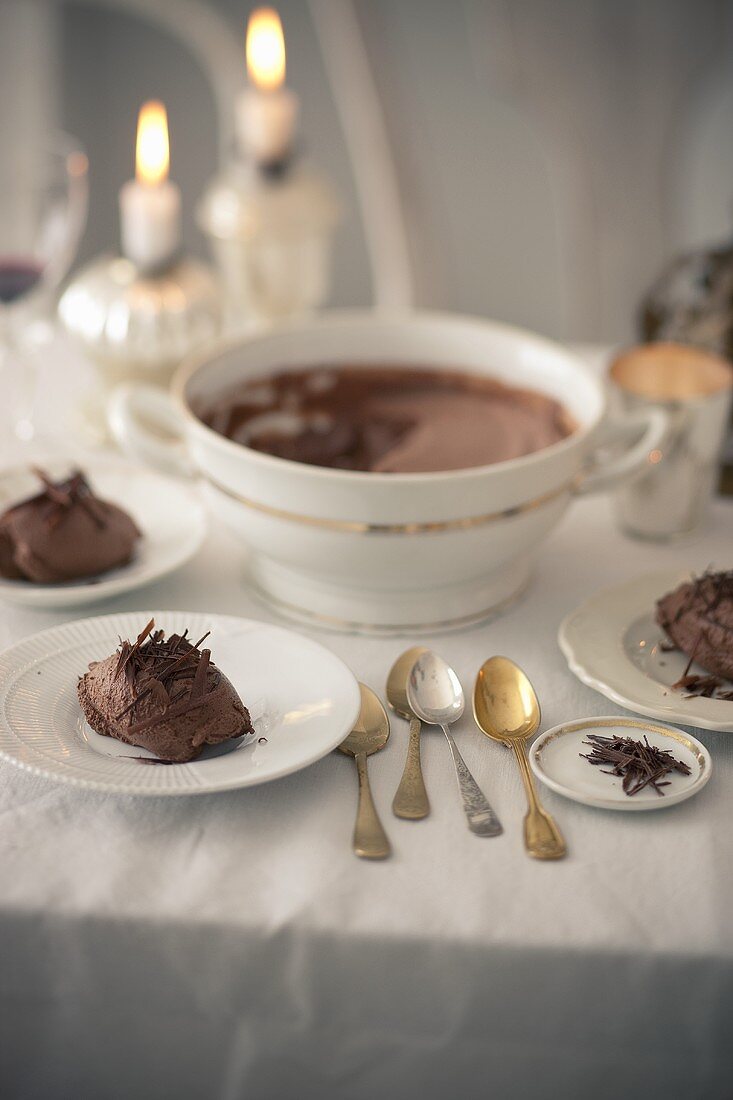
pixel 672 495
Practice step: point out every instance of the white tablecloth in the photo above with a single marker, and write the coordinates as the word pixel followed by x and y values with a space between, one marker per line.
pixel 232 946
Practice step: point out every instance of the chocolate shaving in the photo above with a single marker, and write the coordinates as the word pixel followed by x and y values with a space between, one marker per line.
pixel 637 763
pixel 693 653
pixel 62 496
pixel 198 686
pixel 695 686
pixel 127 651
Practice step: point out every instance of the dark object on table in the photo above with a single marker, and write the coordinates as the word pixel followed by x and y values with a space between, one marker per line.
pixel 637 763
pixel 64 533
pixel 692 303
pixel 698 617
pixel 164 695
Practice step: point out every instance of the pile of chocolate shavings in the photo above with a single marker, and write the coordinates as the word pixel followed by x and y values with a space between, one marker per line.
pixel 637 763
pixel 73 492
pixel 174 671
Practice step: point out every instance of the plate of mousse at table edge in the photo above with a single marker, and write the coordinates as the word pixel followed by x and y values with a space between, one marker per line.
pixel 615 644
pixel 235 701
pixel 86 532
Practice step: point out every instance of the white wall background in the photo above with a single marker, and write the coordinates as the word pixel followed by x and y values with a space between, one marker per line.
pixel 551 154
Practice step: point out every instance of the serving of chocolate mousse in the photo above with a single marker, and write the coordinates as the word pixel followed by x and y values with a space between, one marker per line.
pixel 697 616
pixel 164 695
pixel 64 533
pixel 388 419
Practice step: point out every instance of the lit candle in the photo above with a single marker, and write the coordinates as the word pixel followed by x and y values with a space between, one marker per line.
pixel 150 205
pixel 267 111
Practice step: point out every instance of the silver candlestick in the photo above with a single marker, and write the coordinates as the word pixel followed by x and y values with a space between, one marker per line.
pixel 270 233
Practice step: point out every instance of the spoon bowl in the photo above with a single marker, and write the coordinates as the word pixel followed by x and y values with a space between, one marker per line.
pixel 504 702
pixel 371 732
pixel 434 692
pixel 397 681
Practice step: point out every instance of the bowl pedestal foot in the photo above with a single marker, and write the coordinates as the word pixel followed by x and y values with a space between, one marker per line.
pixel 318 601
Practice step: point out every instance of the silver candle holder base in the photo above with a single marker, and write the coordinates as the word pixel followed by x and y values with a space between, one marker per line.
pixel 136 326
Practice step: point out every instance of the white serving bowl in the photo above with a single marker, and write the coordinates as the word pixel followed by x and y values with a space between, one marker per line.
pixel 391 552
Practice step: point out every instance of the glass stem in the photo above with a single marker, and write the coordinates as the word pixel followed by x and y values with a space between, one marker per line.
pixel 22 380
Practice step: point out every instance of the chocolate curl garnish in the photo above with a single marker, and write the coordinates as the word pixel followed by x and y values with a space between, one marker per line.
pixel 693 654
pixel 127 652
pixel 705 686
pixel 198 687
pixel 58 493
pixel 159 695
pixel 64 495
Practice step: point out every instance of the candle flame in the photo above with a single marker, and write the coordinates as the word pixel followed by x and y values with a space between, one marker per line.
pixel 265 49
pixel 152 155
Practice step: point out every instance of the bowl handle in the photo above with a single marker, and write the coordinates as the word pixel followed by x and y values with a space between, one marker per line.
pixel 146 425
pixel 655 427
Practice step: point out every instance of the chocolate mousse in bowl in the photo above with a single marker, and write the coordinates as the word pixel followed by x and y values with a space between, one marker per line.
pixel 389 474
pixel 388 419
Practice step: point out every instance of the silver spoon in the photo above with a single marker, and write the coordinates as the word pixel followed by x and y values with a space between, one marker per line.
pixel 435 695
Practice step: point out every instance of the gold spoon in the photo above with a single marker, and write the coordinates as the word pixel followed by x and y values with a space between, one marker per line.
pixel 505 707
pixel 411 798
pixel 370 734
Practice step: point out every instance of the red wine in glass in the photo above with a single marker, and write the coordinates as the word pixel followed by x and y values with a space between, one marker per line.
pixel 18 276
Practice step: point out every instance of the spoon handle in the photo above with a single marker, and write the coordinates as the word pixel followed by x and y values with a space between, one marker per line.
pixel 481 818
pixel 411 798
pixel 542 838
pixel 370 839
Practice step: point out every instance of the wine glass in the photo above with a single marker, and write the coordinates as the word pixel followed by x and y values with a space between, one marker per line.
pixel 43 208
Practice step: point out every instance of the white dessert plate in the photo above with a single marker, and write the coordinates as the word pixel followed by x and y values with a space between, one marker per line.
pixel 303 701
pixel 612 643
pixel 167 511
pixel 556 760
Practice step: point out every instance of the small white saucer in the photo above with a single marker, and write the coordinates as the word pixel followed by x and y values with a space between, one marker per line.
pixel 613 644
pixel 556 760
pixel 167 511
